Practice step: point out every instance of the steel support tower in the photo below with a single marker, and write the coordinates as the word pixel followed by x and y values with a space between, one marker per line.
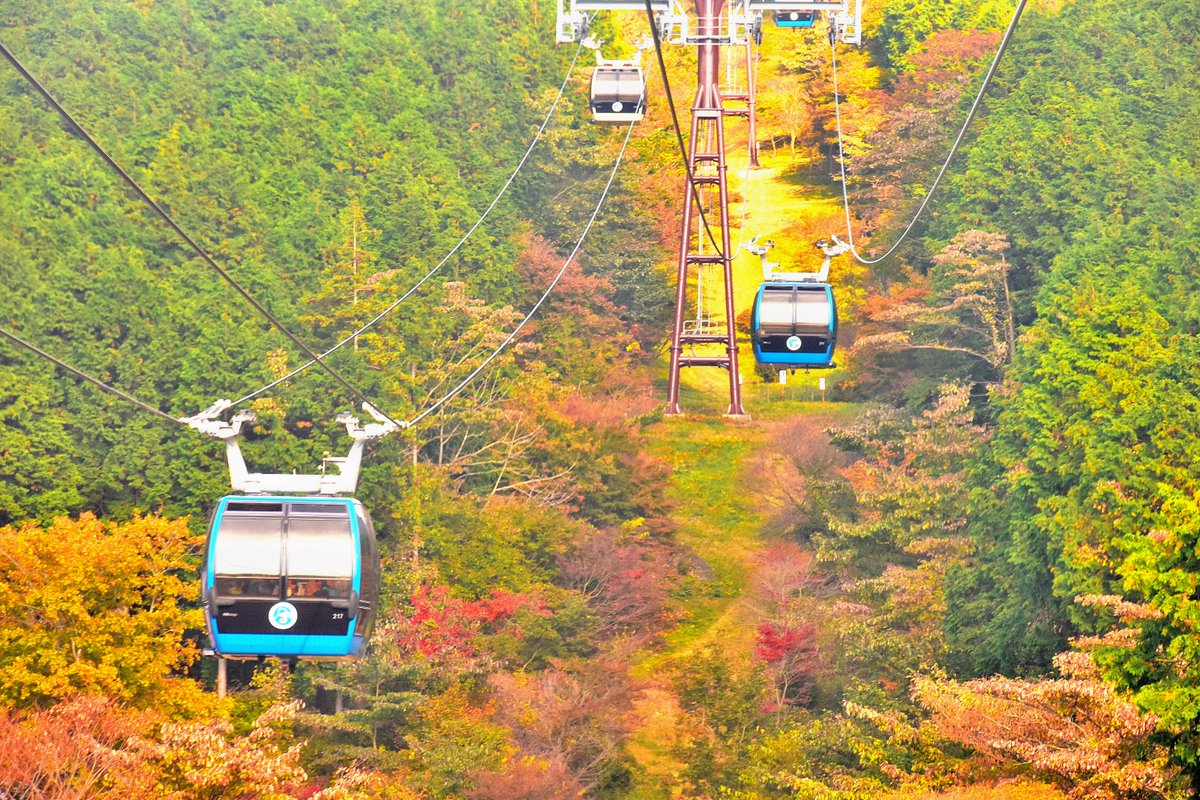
pixel 706 161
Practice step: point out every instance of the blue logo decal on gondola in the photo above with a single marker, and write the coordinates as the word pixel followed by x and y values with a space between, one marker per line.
pixel 794 343
pixel 282 616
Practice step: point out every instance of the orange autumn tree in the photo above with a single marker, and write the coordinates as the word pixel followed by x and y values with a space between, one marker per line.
pixel 966 315
pixel 89 607
pixel 71 751
pixel 1075 730
pixel 90 748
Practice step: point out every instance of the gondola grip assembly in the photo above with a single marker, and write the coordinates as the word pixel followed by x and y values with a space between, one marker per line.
pixel 342 482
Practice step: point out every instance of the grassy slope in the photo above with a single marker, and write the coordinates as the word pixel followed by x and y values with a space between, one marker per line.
pixel 720 516
pixel 717 522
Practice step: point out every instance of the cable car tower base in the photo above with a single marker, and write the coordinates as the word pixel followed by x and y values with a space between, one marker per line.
pixel 706 161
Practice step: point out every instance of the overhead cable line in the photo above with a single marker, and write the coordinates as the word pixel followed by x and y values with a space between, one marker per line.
pixel 562 270
pixel 687 164
pixel 987 79
pixel 196 248
pixel 503 190
pixel 12 337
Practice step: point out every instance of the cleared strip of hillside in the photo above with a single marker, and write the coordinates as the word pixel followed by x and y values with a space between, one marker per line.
pixel 720 507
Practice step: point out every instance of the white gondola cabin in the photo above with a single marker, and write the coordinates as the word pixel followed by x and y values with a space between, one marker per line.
pixel 618 91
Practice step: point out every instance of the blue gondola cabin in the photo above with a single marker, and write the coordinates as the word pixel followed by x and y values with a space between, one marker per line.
pixel 292 577
pixel 795 19
pixel 794 325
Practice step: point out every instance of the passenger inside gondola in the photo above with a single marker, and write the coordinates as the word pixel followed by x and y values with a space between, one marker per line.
pixel 319 588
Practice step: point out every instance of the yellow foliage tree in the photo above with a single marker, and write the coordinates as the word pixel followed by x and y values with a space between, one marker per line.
pixel 89 607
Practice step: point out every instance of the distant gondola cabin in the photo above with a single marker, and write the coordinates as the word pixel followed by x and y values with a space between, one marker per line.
pixel 795 19
pixel 618 92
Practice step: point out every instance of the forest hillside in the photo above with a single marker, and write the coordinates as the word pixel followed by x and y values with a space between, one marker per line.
pixel 963 566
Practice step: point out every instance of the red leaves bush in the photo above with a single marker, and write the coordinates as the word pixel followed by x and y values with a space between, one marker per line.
pixel 791 656
pixel 440 626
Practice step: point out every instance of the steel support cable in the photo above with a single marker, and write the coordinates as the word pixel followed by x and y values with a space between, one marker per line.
pixel 196 248
pixel 554 283
pixel 503 190
pixel 12 337
pixel 987 79
pixel 687 163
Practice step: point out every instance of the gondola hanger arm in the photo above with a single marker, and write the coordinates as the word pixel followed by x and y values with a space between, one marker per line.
pixel 771 273
pixel 342 481
pixel 597 47
pixel 761 250
pixel 831 252
pixel 209 422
